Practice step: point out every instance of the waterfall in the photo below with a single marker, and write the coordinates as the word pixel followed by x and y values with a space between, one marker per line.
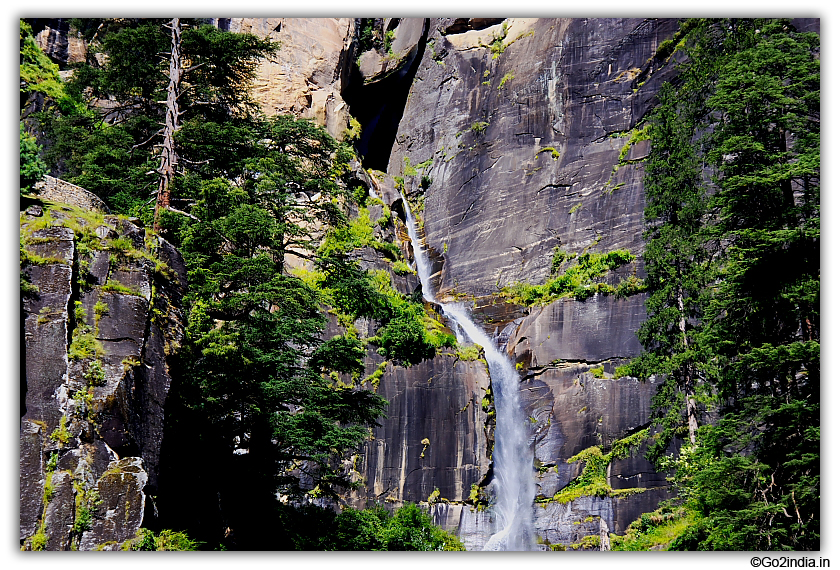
pixel 513 476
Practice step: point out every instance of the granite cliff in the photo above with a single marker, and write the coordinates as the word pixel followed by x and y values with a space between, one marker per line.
pixel 518 137
pixel 100 317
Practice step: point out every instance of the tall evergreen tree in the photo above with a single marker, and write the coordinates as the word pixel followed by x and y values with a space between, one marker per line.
pixel 749 93
pixel 166 100
pixel 677 264
pixel 764 320
pixel 257 398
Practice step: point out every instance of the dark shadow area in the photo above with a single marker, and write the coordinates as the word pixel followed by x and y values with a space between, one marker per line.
pixel 379 107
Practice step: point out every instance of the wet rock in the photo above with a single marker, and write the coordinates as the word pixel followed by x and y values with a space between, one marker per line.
pixel 31 478
pixel 598 329
pixel 499 203
pixel 60 512
pixel 120 512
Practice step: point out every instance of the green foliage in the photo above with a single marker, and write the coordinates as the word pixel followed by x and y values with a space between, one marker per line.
pixel 468 352
pixel 95 374
pixel 109 150
pixel 733 274
pixel 165 540
pixel 353 131
pixel 32 166
pixel 554 154
pixel 83 520
pixel 479 127
pixel 507 77
pixel 389 39
pixel 39 540
pixel 655 530
pixel 577 281
pixel 478 497
pixel 84 344
pixel 261 394
pixel 404 338
pixel 377 374
pixel 408 169
pixel 400 267
pixel 37 73
pixel 593 479
pixel 61 434
pixel 342 353
pixel 370 529
pixel 591 542
pixel 497 45
pixel 636 135
pixel 117 287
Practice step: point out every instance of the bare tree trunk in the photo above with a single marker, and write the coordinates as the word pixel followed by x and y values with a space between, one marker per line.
pixel 168 155
pixel 688 382
pixel 605 535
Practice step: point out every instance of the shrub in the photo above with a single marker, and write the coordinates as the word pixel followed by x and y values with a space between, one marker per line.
pixel 32 166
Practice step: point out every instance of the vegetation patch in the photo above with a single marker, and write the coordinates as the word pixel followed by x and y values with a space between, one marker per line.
pixel 61 434
pixel 578 281
pixel 656 530
pixel 116 287
pixel 593 479
pixel 165 540
pixel 468 352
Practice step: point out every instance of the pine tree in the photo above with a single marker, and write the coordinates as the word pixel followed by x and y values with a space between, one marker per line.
pixel 677 267
pixel 750 89
pixel 168 97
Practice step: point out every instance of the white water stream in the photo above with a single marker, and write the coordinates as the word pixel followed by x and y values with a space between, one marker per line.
pixel 513 477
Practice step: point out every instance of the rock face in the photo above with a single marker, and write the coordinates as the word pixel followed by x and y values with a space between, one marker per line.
pixel 435 438
pixel 307 74
pixel 100 315
pixel 515 137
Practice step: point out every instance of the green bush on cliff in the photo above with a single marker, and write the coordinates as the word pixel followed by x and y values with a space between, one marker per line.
pixel 32 166
pixel 593 479
pixel 165 540
pixel 655 530
pixel 578 281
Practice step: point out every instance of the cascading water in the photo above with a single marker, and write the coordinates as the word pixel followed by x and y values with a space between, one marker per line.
pixel 513 477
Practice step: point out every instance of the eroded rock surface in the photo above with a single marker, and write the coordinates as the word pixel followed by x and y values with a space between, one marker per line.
pixel 434 436
pixel 515 139
pixel 100 317
pixel 306 75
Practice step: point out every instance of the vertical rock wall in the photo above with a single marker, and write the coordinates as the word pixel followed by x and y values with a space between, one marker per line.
pixel 306 75
pixel 101 315
pixel 516 138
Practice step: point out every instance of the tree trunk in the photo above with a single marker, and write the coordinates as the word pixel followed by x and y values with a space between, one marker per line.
pixel 687 381
pixel 168 155
pixel 605 535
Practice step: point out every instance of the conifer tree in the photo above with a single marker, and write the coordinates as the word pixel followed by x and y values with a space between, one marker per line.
pixel 677 267
pixel 749 97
